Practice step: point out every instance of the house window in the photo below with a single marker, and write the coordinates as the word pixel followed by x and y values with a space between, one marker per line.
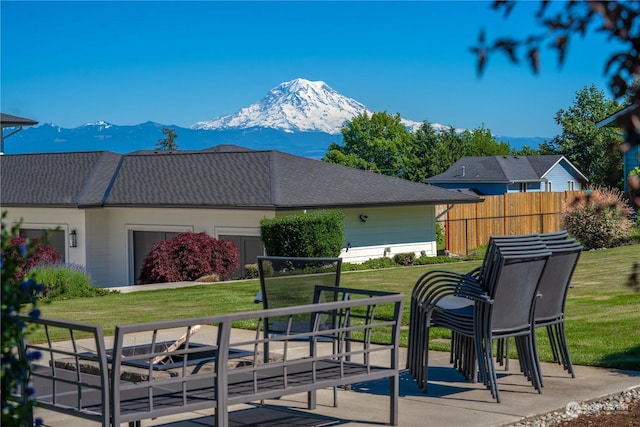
pixel 547 186
pixel 570 186
pixel 523 187
pixel 53 238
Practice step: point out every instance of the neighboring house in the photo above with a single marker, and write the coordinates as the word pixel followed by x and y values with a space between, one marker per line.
pixel 110 208
pixel 494 175
pixel 631 157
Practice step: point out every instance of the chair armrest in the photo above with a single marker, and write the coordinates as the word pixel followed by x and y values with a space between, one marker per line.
pixel 438 284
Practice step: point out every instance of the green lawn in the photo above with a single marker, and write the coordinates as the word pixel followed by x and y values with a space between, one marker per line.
pixel 602 311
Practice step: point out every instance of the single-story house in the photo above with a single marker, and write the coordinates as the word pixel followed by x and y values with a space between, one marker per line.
pixel 624 120
pixel 495 175
pixel 110 208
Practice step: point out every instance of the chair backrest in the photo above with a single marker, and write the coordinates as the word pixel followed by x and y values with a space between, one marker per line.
pixel 556 279
pixel 291 281
pixel 501 246
pixel 513 290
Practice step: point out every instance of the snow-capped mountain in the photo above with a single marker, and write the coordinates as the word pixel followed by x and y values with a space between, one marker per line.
pixel 100 124
pixel 299 117
pixel 298 105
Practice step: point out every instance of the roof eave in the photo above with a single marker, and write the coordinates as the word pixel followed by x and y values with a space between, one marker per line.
pixel 612 120
pixel 381 204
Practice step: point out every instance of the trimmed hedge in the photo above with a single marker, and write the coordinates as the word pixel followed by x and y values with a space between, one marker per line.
pixel 313 234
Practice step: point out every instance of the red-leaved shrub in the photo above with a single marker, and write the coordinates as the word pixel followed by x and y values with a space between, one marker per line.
pixel 43 254
pixel 187 257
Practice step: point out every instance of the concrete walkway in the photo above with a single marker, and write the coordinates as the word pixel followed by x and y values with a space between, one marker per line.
pixel 450 401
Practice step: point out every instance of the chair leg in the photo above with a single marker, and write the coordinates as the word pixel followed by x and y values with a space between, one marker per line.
pixel 554 344
pixel 423 374
pixel 564 349
pixel 490 369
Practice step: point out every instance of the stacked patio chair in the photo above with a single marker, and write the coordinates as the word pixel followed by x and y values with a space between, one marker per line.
pixel 554 286
pixel 291 281
pixel 462 360
pixel 491 303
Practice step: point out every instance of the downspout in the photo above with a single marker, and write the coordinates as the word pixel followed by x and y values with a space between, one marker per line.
pixel 449 207
pixel 13 132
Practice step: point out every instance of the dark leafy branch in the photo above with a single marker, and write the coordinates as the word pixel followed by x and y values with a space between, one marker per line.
pixel 618 21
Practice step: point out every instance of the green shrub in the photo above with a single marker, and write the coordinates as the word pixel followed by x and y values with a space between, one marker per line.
pixel 426 260
pixel 65 281
pixel 251 271
pixel 313 234
pixel 375 263
pixel 599 218
pixel 634 232
pixel 441 243
pixel 405 258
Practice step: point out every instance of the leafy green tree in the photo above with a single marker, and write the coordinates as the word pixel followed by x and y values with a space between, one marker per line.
pixel 527 151
pixel 452 146
pixel 593 151
pixel 336 156
pixel 480 142
pixel 168 143
pixel 424 156
pixel 379 142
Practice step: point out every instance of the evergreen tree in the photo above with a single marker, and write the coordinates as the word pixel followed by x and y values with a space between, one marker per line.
pixel 168 143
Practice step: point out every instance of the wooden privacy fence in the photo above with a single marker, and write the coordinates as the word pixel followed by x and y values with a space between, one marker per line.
pixel 469 226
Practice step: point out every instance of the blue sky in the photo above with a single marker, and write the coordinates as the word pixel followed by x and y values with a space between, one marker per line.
pixel 174 62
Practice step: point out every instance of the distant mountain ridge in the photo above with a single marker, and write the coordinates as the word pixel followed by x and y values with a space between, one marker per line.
pixel 300 117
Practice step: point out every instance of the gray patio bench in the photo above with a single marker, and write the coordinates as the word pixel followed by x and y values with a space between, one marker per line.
pixel 218 365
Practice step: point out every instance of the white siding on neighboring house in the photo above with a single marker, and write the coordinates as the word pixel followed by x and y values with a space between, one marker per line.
pixel 399 229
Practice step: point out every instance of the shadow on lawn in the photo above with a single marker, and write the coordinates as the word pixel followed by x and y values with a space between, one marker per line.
pixel 628 359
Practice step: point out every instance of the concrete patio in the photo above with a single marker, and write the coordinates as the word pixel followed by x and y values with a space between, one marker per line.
pixel 450 401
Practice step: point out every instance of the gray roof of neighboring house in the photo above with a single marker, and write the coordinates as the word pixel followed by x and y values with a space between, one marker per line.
pixel 7 120
pixel 501 169
pixel 226 177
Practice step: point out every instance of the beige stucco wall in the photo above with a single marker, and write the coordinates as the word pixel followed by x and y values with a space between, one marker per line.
pixel 66 219
pixel 123 221
pixel 105 244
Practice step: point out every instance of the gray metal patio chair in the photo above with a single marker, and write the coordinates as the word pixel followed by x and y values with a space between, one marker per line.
pixel 429 286
pixel 502 306
pixel 291 281
pixel 553 290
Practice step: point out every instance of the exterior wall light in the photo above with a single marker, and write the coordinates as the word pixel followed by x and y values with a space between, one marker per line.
pixel 73 239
